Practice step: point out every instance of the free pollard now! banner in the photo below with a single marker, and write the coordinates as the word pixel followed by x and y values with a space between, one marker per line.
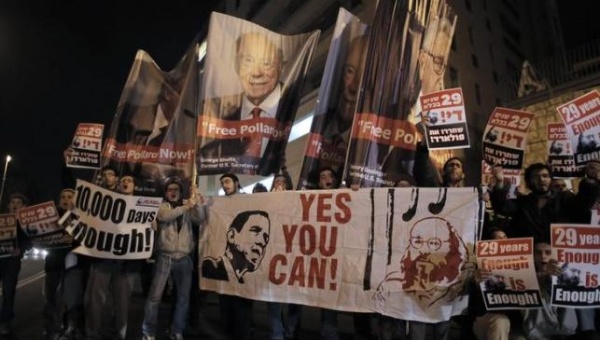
pixel 513 281
pixel 402 252
pixel 110 225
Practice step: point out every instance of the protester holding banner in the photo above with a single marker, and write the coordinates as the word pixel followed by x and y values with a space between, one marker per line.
pixel 107 276
pixel 108 178
pixel 495 325
pixel 532 214
pixel 587 199
pixel 175 243
pixel 328 179
pixel 278 329
pixel 10 267
pixel 55 268
pixel 548 321
pixel 236 311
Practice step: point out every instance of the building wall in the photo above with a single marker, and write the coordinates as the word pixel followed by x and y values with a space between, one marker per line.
pixel 545 112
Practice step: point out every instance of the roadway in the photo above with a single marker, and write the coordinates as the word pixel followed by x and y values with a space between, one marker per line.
pixel 28 323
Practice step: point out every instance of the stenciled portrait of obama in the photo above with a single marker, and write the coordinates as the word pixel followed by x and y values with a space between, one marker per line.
pixel 247 239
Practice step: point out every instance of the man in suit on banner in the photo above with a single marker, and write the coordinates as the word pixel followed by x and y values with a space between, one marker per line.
pixel 258 63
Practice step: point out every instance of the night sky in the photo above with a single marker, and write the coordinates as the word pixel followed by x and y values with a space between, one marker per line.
pixel 65 62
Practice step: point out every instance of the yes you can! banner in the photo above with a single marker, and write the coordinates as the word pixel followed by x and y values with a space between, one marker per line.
pixel 111 225
pixel 401 252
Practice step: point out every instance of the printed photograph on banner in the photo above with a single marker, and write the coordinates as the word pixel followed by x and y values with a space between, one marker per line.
pixel 40 224
pixel 387 127
pixel 510 280
pixel 560 152
pixel 8 234
pixel 402 252
pixel 152 134
pixel 84 151
pixel 334 112
pixel 445 119
pixel 110 225
pixel 505 137
pixel 582 120
pixel 251 88
pixel 575 247
pixel 510 177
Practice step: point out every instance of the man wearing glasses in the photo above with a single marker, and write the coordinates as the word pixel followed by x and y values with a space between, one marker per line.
pixel 258 64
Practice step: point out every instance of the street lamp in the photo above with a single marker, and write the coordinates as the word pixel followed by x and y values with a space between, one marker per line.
pixel 8 159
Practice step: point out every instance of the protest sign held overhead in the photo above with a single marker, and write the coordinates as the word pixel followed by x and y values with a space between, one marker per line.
pixel 505 137
pixel 110 225
pixel 348 250
pixel 582 120
pixel 40 224
pixel 85 148
pixel 251 87
pixel 447 119
pixel 152 133
pixel 512 282
pixel 408 49
pixel 575 247
pixel 8 234
pixel 330 131
pixel 560 151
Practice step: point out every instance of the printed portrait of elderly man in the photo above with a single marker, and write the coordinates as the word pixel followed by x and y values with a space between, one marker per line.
pixel 247 239
pixel 258 63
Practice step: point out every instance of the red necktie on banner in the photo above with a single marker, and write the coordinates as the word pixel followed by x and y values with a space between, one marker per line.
pixel 254 144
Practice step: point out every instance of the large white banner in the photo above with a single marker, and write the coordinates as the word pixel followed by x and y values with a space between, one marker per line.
pixel 110 225
pixel 402 252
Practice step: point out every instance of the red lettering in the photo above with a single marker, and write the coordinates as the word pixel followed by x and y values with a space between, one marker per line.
pixel 316 272
pixel 297 274
pixel 306 201
pixel 345 213
pixel 273 277
pixel 288 234
pixel 322 207
pixel 332 240
pixel 308 239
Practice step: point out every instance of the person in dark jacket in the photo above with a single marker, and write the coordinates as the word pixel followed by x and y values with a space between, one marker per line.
pixel 11 266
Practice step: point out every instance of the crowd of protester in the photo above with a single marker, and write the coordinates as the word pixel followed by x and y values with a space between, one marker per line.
pixel 78 287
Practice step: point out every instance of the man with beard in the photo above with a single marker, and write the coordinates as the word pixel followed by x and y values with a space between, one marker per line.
pixel 433 256
pixel 532 214
pixel 453 174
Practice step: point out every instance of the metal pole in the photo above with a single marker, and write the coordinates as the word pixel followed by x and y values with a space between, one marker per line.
pixel 8 159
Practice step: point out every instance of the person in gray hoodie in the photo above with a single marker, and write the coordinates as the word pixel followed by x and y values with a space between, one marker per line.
pixel 175 244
